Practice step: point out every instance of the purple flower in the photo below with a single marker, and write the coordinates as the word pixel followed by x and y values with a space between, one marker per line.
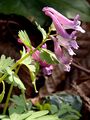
pixel 47 70
pixel 63 56
pixel 68 41
pixel 72 24
pixel 64 39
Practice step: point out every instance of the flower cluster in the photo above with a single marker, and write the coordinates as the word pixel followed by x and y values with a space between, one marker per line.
pixel 64 43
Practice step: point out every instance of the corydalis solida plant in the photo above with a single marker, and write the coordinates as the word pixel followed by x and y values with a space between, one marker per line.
pixel 67 41
pixel 64 43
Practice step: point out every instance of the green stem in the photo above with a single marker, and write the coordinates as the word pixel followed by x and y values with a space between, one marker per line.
pixel 20 60
pixel 9 93
pixel 8 98
pixel 14 66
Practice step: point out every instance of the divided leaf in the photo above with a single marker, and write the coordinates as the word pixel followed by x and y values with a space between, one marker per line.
pixel 65 104
pixel 24 38
pixel 5 63
pixel 26 61
pixel 32 66
pixel 13 77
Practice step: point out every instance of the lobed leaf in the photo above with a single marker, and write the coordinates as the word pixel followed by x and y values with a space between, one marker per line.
pixel 5 63
pixel 13 77
pixel 24 38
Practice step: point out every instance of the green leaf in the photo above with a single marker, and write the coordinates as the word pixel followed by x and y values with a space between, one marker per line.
pixel 65 104
pixel 24 38
pixel 32 8
pixel 74 100
pixel 32 66
pixel 3 116
pixel 28 60
pixel 18 82
pixel 53 109
pixel 44 34
pixel 14 116
pixel 48 56
pixel 46 117
pixel 26 115
pixel 5 63
pixel 19 105
pixel 18 100
pixel 13 77
pixel 2 93
pixel 38 114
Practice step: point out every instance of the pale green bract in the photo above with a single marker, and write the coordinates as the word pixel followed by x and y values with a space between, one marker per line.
pixel 24 38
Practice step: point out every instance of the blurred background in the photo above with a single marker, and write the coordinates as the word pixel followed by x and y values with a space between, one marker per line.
pixel 18 15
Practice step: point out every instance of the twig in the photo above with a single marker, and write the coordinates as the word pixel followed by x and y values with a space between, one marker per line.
pixel 80 67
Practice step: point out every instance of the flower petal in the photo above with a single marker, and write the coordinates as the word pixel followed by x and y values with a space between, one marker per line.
pixel 67 23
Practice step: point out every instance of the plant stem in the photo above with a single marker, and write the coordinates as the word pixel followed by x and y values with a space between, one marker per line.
pixel 16 71
pixel 9 93
pixel 23 58
pixel 8 98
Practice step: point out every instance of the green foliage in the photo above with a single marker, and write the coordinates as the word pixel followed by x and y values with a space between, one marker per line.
pixel 5 63
pixel 74 100
pixel 26 61
pixel 32 66
pixel 4 117
pixel 66 112
pixel 47 106
pixel 31 115
pixel 14 78
pixel 32 8
pixel 19 110
pixel 24 38
pixel 48 110
pixel 61 105
pixel 2 93
pixel 20 105
pixel 48 56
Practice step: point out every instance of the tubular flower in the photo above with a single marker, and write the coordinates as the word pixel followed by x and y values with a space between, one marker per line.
pixel 69 24
pixel 68 43
pixel 63 56
pixel 64 39
pixel 64 43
